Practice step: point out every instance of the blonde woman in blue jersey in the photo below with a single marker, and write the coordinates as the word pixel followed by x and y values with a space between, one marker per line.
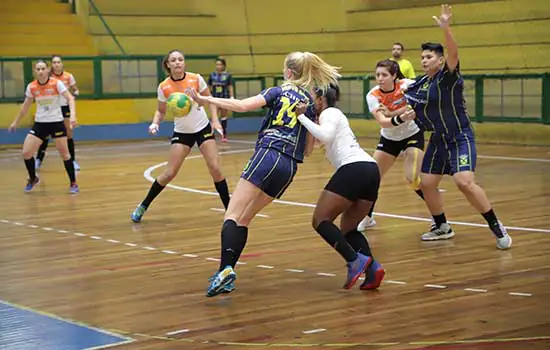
pixel 438 100
pixel 281 146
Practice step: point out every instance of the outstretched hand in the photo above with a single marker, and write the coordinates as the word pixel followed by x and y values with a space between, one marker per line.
pixel 198 98
pixel 445 18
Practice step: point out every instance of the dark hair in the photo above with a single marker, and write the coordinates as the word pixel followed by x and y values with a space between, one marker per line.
pixel 42 61
pixel 165 59
pixel 435 47
pixel 222 60
pixel 392 67
pixel 402 47
pixel 332 94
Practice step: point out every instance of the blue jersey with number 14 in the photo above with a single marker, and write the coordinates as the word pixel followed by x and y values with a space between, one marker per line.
pixel 281 129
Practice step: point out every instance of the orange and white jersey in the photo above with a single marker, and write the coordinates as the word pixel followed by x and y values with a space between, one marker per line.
pixel 197 119
pixel 48 100
pixel 67 79
pixel 393 100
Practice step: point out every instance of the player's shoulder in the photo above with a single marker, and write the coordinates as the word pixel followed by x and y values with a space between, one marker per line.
pixel 333 114
pixel 274 90
pixel 190 76
pixel 165 83
pixel 33 84
pixel 54 81
pixel 375 92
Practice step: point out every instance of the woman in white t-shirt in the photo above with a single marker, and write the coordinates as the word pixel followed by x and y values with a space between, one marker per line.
pixel 350 192
pixel 194 128
pixel 387 103
pixel 48 93
pixel 58 72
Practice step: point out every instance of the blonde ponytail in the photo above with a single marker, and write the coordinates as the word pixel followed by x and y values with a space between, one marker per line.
pixel 310 71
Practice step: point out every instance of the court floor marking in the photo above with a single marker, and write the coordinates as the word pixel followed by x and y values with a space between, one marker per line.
pixel 259 266
pixel 123 336
pixel 173 337
pixel 147 175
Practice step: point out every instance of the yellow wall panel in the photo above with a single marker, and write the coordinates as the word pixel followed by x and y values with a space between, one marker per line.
pixel 290 16
pixel 153 45
pixel 462 14
pixel 122 26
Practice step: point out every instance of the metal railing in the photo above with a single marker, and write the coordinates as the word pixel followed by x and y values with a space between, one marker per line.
pixel 520 98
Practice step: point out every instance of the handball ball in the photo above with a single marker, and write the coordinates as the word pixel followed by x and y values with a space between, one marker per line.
pixel 178 104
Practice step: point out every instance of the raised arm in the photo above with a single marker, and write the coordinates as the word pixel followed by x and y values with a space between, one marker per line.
pixel 248 104
pixel 452 47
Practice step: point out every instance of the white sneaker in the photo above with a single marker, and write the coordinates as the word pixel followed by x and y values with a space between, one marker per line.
pixel 504 242
pixel 366 223
pixel 76 166
pixel 37 163
pixel 443 232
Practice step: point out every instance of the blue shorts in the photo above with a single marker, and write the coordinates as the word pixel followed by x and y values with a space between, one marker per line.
pixel 450 154
pixel 271 171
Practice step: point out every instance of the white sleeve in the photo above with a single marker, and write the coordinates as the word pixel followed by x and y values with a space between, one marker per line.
pixel 373 102
pixel 72 81
pixel 61 88
pixel 202 84
pixel 405 83
pixel 28 92
pixel 160 95
pixel 325 131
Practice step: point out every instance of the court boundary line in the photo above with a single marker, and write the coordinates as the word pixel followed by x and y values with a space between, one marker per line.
pixel 133 335
pixel 147 175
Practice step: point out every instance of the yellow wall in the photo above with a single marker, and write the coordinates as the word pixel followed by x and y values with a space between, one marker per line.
pixel 42 28
pixel 254 36
pixel 93 112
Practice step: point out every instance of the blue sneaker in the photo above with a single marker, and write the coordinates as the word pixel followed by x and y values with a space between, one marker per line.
pixel 138 213
pixel 356 269
pixel 31 184
pixel 227 289
pixel 373 276
pixel 220 280
pixel 74 188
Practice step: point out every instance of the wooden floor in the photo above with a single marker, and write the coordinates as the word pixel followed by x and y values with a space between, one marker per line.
pixel 80 258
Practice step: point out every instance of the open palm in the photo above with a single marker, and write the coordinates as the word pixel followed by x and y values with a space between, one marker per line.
pixel 445 17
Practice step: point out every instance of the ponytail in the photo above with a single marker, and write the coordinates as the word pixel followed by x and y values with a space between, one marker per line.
pixel 332 94
pixel 309 71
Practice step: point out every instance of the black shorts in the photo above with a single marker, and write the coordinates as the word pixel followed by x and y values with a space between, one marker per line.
pixel 359 180
pixel 43 130
pixel 190 139
pixel 66 111
pixel 395 147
